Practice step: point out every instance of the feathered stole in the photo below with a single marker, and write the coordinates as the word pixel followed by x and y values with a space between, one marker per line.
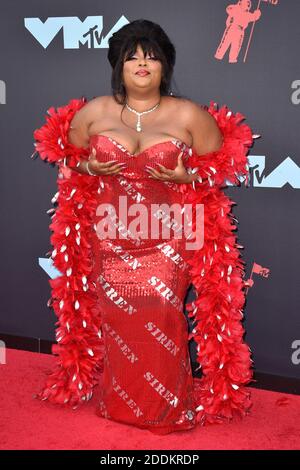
pixel 216 271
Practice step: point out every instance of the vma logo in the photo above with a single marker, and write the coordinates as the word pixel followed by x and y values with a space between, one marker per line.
pixel 75 32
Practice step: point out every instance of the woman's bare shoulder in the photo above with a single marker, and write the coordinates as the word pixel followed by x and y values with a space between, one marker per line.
pixel 190 107
pixel 96 103
pixel 85 115
pixel 99 100
pixel 206 134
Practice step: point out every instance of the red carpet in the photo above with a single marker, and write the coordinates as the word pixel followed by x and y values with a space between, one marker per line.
pixel 26 423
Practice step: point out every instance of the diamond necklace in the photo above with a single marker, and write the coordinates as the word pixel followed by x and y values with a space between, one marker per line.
pixel 138 124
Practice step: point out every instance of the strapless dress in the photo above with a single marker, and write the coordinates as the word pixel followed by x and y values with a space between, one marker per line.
pixel 142 277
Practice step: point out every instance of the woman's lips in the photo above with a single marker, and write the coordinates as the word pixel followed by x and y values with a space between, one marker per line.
pixel 142 73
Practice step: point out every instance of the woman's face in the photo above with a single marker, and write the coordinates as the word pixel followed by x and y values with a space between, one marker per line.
pixel 137 62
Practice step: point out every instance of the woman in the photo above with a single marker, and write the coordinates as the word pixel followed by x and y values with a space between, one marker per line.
pixel 119 299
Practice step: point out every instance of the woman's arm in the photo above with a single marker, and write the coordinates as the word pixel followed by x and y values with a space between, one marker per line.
pixel 78 133
pixel 205 132
pixel 78 136
pixel 220 144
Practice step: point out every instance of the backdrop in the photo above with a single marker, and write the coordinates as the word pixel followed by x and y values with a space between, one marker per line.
pixel 55 50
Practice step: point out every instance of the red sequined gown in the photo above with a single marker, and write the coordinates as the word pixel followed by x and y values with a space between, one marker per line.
pixel 147 379
pixel 120 305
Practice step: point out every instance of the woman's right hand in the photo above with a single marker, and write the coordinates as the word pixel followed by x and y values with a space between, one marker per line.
pixel 101 168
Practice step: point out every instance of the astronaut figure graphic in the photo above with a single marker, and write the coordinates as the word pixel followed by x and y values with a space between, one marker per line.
pixel 239 16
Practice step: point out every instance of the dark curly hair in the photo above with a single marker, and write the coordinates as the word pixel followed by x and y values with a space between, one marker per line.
pixel 123 44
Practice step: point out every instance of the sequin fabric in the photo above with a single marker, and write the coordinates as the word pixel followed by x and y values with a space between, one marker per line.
pixel 141 284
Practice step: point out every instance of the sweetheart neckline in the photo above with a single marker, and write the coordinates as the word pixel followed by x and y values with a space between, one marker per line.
pixel 124 149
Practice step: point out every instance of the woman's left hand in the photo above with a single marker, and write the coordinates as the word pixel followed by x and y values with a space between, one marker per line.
pixel 178 175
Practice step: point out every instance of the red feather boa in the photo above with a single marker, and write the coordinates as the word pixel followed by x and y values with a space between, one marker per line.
pixel 216 269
